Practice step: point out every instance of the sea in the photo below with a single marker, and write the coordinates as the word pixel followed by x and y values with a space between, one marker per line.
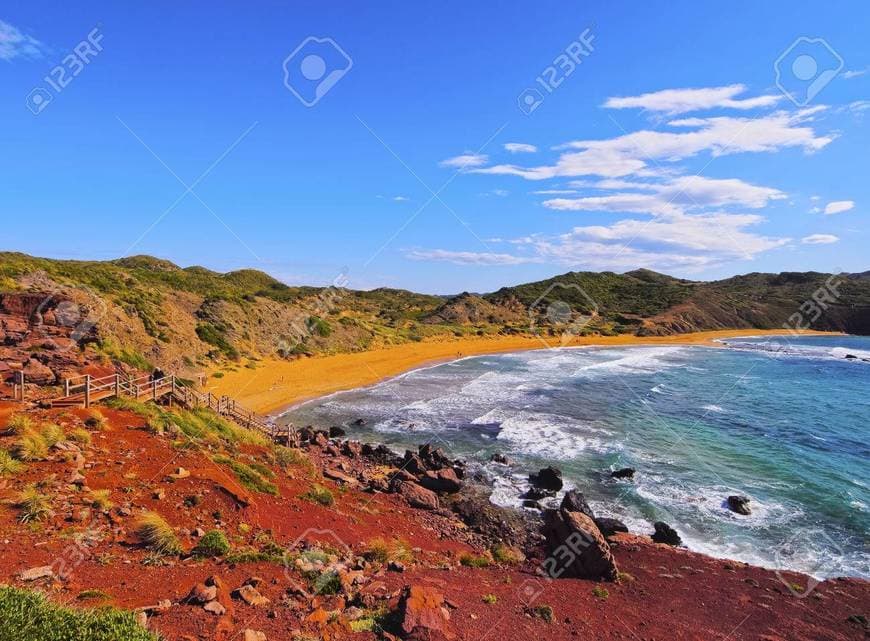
pixel 784 421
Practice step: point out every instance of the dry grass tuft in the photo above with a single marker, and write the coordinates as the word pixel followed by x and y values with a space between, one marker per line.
pixel 157 534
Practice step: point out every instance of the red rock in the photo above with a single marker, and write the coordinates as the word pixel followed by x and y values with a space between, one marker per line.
pixel 418 496
pixel 444 480
pixel 36 372
pixel 424 615
pixel 577 547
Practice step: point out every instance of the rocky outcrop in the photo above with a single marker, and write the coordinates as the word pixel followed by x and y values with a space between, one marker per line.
pixel 418 496
pixel 548 478
pixel 577 547
pixel 424 615
pixel 623 473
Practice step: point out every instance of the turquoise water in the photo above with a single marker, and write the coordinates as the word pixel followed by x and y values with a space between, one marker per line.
pixel 785 422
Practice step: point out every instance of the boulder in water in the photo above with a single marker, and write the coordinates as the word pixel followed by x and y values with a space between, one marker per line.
pixel 738 504
pixel 666 534
pixel 609 526
pixel 548 478
pixel 623 473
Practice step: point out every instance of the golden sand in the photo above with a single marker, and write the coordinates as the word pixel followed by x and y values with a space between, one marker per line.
pixel 277 384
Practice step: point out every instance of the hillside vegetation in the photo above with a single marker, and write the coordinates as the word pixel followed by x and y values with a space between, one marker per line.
pixel 149 311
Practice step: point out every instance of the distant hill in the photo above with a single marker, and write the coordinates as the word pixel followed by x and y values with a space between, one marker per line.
pixel 151 310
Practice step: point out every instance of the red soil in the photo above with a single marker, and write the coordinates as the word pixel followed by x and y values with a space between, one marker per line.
pixel 671 593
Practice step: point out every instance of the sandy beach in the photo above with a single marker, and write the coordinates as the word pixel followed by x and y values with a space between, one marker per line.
pixel 278 384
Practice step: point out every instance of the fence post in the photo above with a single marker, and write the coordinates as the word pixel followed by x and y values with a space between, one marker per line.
pixel 154 389
pixel 117 384
pixel 21 380
pixel 66 387
pixel 87 390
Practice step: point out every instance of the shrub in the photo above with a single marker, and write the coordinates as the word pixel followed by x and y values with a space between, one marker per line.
pixel 96 420
pixel 30 447
pixel 507 555
pixel 101 499
pixel 19 424
pixel 382 551
pixel 80 436
pixel 52 434
pixel 319 494
pixel 29 615
pixel 212 544
pixel 157 534
pixel 286 457
pixel 9 465
pixel 472 561
pixel 600 593
pixel 34 504
pixel 490 599
pixel 543 612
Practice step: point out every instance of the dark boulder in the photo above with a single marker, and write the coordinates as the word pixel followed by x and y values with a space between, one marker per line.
pixel 738 504
pixel 359 422
pixel 537 494
pixel 623 473
pixel 577 547
pixel 609 526
pixel 548 478
pixel 666 534
pixel 574 501
pixel 336 432
pixel 441 481
pixel 498 457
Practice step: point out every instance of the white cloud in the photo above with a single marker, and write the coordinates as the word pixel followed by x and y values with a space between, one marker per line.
pixel 839 206
pixel 468 258
pixel 15 44
pixel 855 73
pixel 674 196
pixel 680 101
pixel 815 198
pixel 554 192
pixel 400 199
pixel 819 239
pixel 465 160
pixel 629 154
pixel 520 148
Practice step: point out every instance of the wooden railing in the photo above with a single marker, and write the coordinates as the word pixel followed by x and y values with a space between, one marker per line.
pixel 85 390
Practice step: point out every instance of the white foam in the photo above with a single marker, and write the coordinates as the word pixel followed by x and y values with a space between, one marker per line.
pixel 549 435
pixel 716 409
pixel 634 361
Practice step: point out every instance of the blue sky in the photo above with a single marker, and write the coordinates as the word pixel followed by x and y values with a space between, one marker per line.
pixel 668 145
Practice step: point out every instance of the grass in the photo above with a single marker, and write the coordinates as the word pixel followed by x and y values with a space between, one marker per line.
pixel 490 599
pixel 29 616
pixel 31 446
pixel 287 457
pixel 52 434
pixel 472 561
pixel 213 543
pixel 247 475
pixel 80 436
pixel 600 593
pixel 319 494
pixel 8 465
pixel 157 534
pixel 93 595
pixel 34 504
pixel 382 551
pixel 19 424
pixel 101 499
pixel 96 420
pixel 507 555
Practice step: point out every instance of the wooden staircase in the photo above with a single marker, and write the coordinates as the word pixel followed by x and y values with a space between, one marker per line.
pixel 83 391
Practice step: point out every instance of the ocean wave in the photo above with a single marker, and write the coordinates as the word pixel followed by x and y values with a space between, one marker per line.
pixel 633 361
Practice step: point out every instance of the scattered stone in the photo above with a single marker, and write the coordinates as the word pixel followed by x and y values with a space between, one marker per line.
pixel 77 479
pixel 340 477
pixel 198 533
pixel 254 635
pixel 396 566
pixel 666 534
pixel 215 608
pixel 352 449
pixel 36 372
pixel 424 615
pixel 549 478
pixel 623 473
pixel 254 581
pixel 444 480
pixel 159 495
pixel 738 504
pixel 34 574
pixel 249 595
pixel 201 594
pixel 180 473
pixel 142 619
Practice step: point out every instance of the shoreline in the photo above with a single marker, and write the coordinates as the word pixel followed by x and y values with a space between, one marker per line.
pixel 278 385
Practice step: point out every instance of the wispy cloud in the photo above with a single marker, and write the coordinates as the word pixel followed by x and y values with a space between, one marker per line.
pixel 819 239
pixel 855 73
pixel 839 206
pixel 520 148
pixel 679 101
pixel 468 258
pixel 465 160
pixel 16 44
